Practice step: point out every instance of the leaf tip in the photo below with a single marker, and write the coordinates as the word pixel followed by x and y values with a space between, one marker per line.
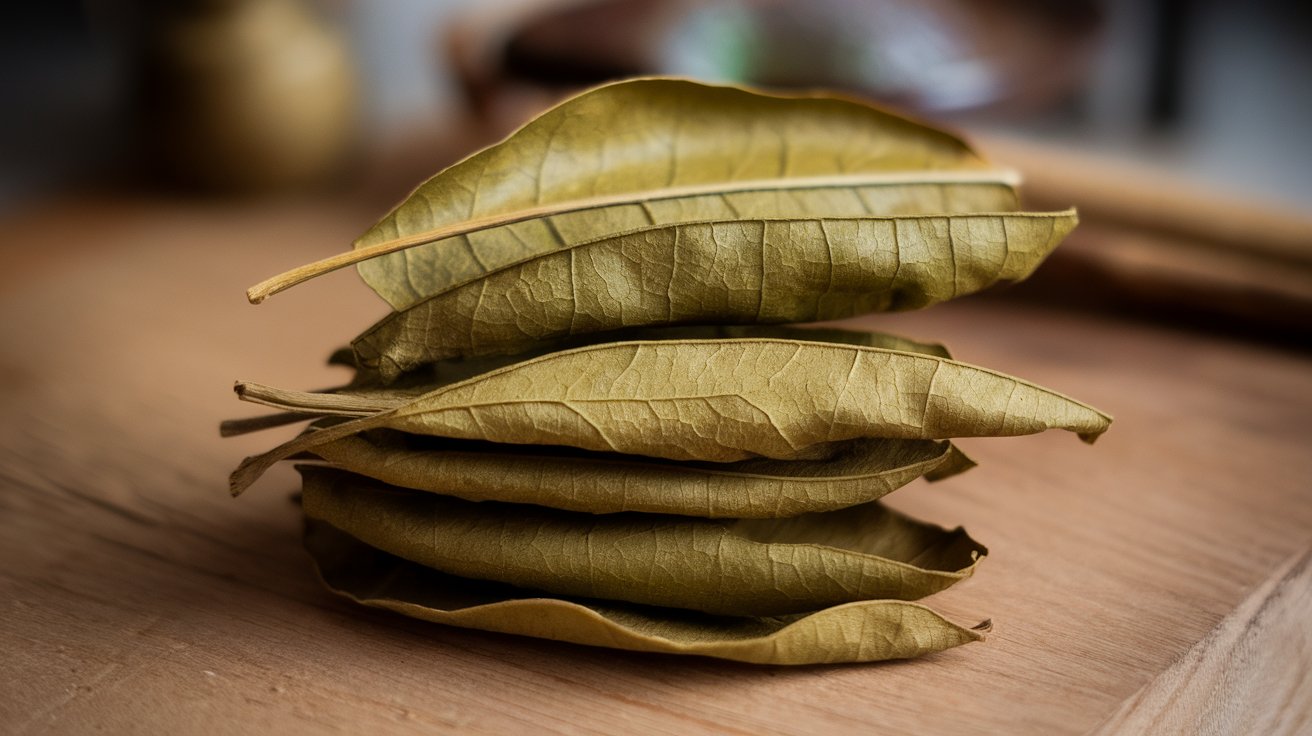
pixel 953 462
pixel 1090 436
pixel 983 627
pixel 1067 219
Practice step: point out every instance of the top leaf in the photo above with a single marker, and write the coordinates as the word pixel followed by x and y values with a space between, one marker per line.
pixel 659 151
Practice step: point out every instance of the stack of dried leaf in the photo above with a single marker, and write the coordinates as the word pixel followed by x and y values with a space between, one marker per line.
pixel 580 422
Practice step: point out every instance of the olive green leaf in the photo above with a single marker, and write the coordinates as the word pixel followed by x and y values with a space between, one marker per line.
pixel 711 400
pixel 658 151
pixel 865 631
pixel 450 371
pixel 459 368
pixel 750 567
pixel 731 272
pixel 602 483
pixel 433 268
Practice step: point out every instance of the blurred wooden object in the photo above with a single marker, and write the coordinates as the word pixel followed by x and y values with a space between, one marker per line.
pixel 1157 245
pixel 1153 201
pixel 140 598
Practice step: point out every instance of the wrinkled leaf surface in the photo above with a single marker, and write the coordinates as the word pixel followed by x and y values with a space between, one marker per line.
pixel 658 151
pixel 603 483
pixel 709 400
pixel 759 567
pixel 731 272
pixel 865 631
pixel 458 369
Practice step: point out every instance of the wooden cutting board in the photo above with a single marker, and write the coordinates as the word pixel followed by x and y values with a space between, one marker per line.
pixel 1156 581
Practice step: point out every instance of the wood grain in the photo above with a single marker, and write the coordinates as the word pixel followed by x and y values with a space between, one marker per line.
pixel 139 598
pixel 1249 675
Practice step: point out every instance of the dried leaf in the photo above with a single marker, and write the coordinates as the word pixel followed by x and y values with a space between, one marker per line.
pixel 658 151
pixel 533 444
pixel 710 400
pixel 756 567
pixel 451 370
pixel 861 471
pixel 866 631
pixel 731 272
pixel 447 372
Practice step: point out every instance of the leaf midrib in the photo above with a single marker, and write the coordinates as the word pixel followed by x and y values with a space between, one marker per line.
pixel 604 239
pixel 720 343
pixel 288 279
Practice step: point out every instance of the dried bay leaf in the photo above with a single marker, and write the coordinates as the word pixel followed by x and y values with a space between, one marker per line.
pixel 861 471
pixel 655 151
pixel 731 272
pixel 450 371
pixel 865 631
pixel 710 400
pixel 757 567
pixel 521 450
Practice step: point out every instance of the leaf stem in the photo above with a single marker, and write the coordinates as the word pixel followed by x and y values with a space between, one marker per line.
pixel 246 425
pixel 310 402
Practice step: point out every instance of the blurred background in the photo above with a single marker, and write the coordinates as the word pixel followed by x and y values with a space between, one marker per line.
pixel 1179 128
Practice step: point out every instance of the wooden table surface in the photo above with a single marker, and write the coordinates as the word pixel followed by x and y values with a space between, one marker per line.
pixel 1155 581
